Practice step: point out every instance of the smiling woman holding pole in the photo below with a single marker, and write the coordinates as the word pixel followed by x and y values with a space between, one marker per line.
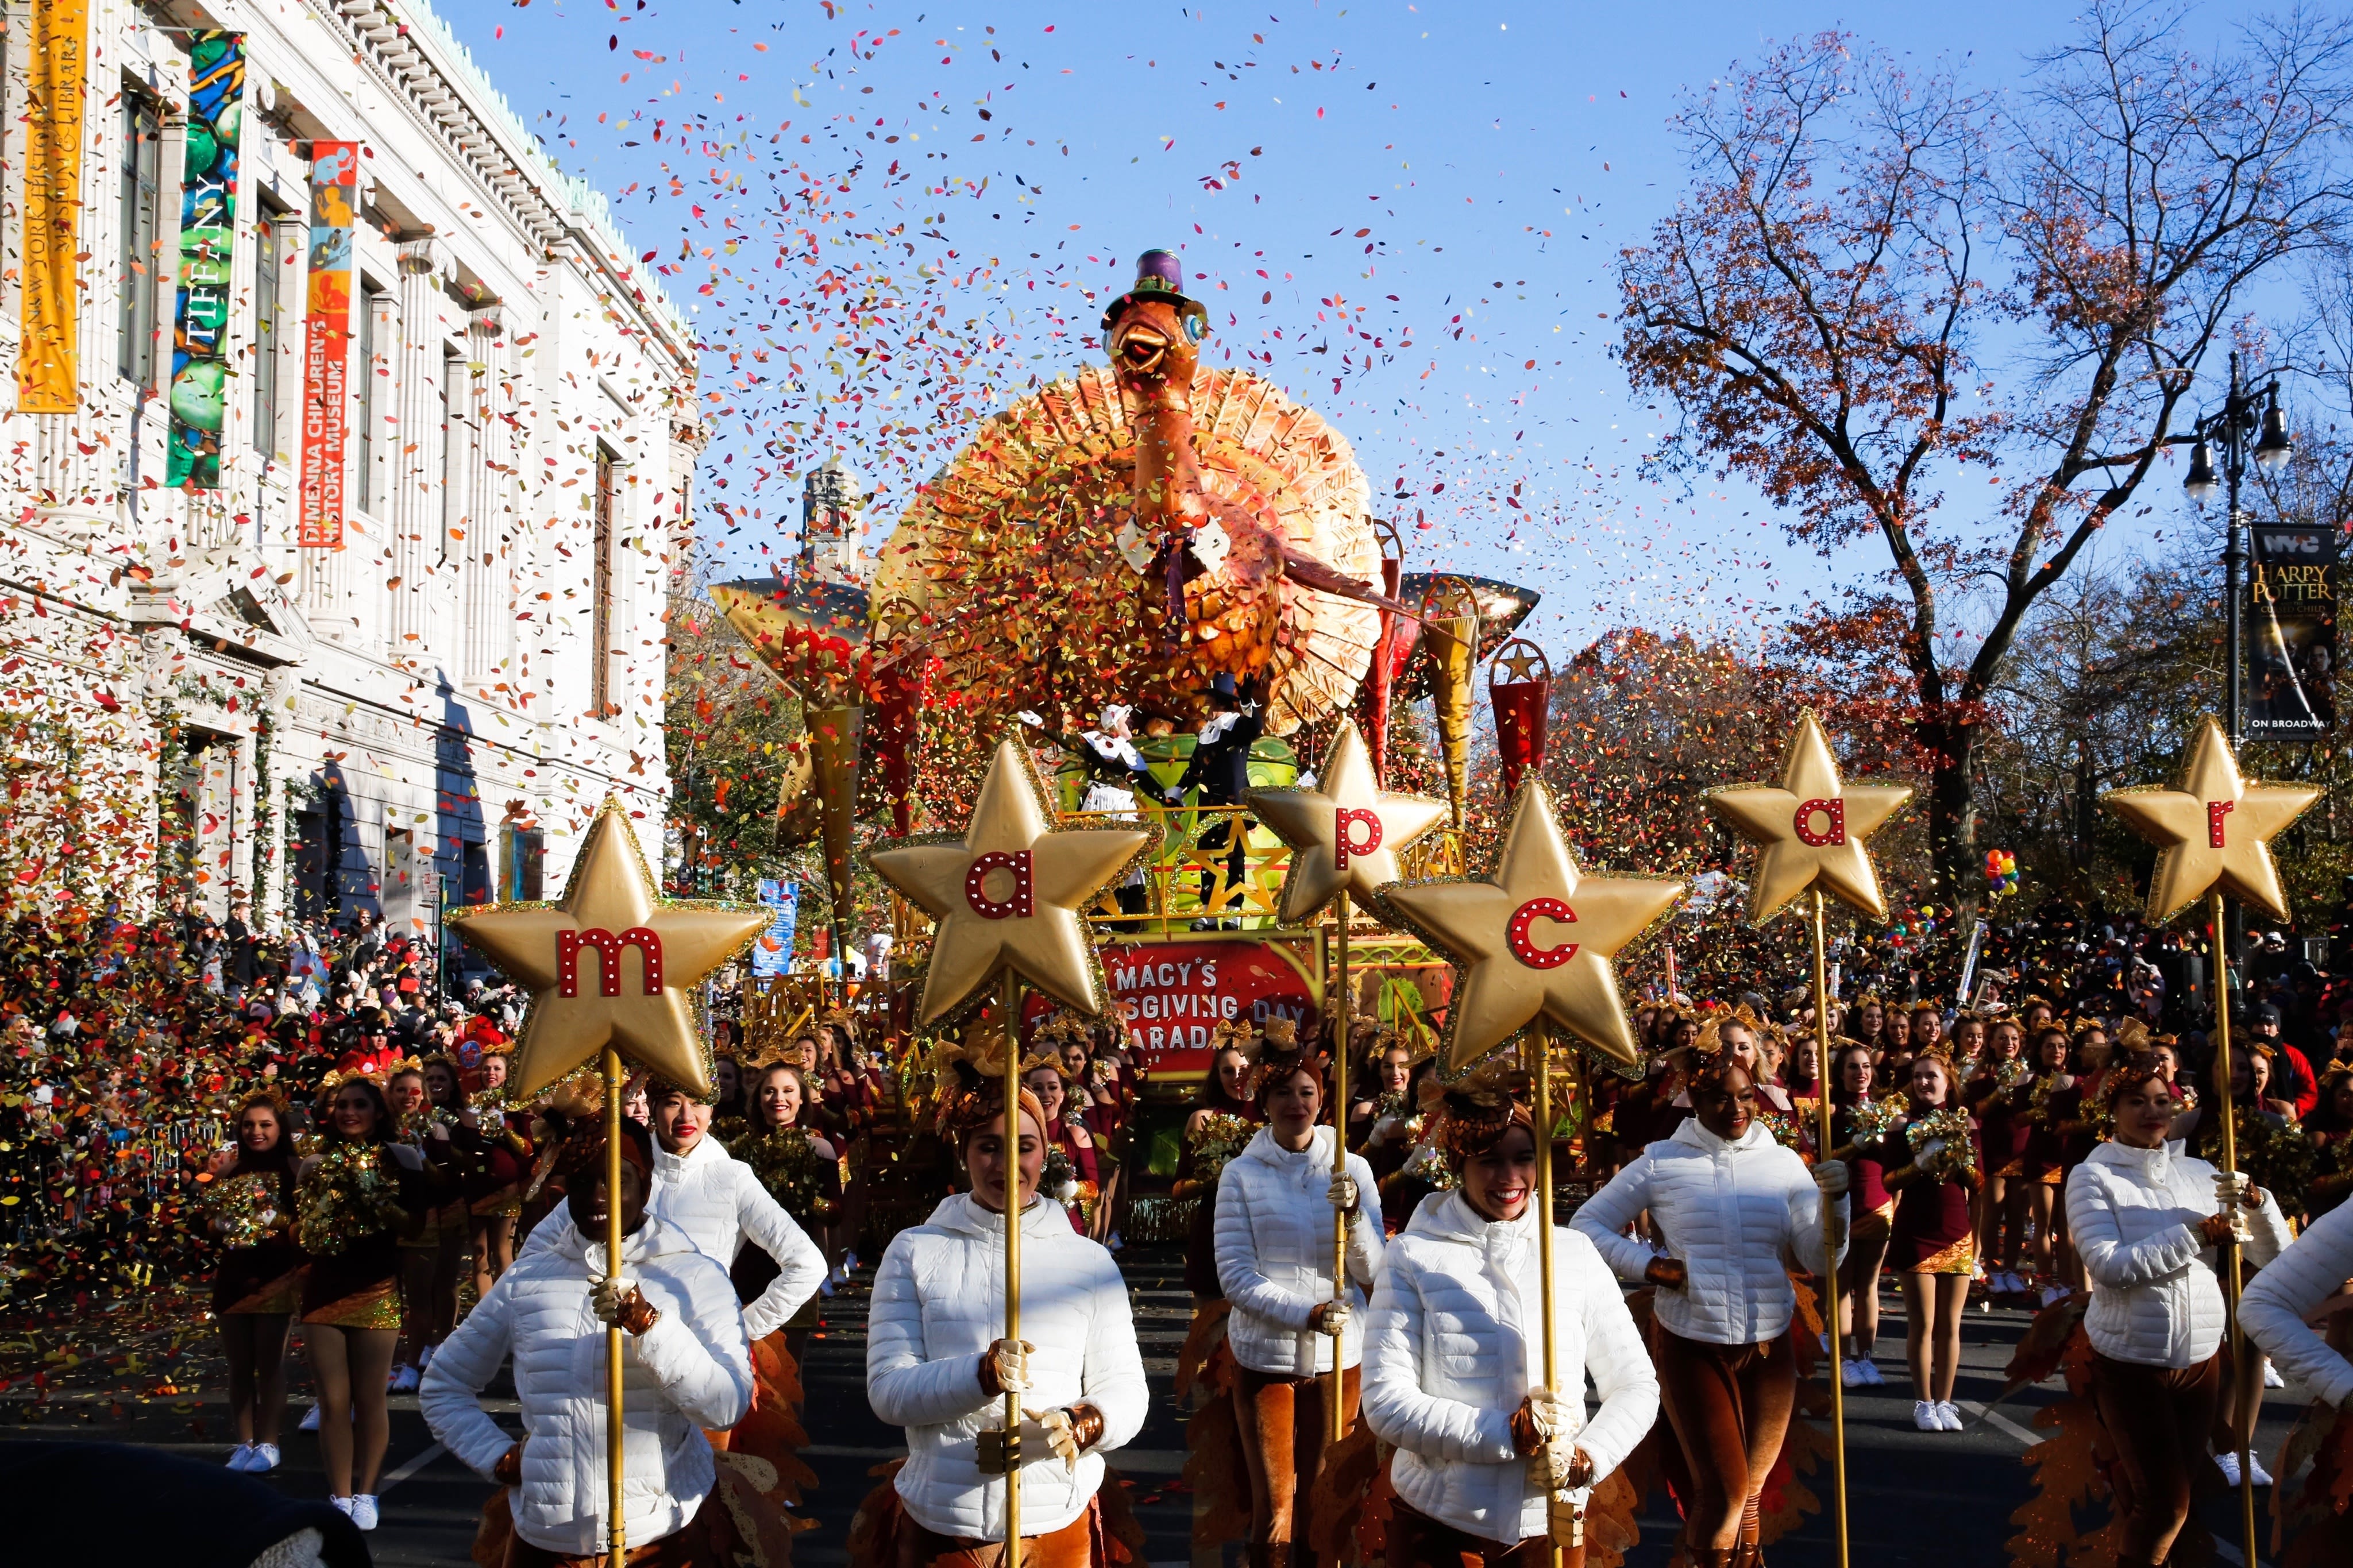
pixel 1274 1206
pixel 939 1364
pixel 1455 1377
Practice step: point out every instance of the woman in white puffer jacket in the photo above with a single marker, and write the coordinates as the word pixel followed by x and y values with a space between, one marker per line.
pixel 1454 1355
pixel 2145 1220
pixel 936 1364
pixel 688 1367
pixel 2279 1300
pixel 719 1202
pixel 1275 1206
pixel 1737 1212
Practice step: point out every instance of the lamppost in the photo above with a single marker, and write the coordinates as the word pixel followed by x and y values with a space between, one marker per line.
pixel 2233 427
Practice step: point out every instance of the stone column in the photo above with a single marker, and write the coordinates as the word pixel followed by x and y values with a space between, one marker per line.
pixel 487 601
pixel 413 459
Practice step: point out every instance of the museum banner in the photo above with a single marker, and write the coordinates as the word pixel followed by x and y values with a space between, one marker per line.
pixel 2291 629
pixel 200 371
pixel 326 343
pixel 48 367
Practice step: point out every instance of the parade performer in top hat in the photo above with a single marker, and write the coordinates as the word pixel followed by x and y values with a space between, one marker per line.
pixel 1453 1364
pixel 2145 1221
pixel 1737 1212
pixel 688 1367
pixel 1274 1260
pixel 937 1365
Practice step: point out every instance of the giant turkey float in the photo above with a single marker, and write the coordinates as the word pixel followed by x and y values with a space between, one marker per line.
pixel 1164 540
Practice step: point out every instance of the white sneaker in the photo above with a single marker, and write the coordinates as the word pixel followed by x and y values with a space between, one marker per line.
pixel 425 1359
pixel 1115 1244
pixel 2271 1378
pixel 1950 1415
pixel 1926 1416
pixel 364 1512
pixel 2255 1471
pixel 310 1421
pixel 243 1459
pixel 2228 1463
pixel 404 1380
pixel 344 1503
pixel 1823 1341
pixel 1850 1372
pixel 264 1457
pixel 1871 1377
pixel 2052 1294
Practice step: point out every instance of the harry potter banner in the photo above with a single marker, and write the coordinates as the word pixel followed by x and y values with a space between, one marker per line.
pixel 2292 634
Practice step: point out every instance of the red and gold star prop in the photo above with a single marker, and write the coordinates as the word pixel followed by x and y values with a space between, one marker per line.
pixel 1810 828
pixel 2213 828
pixel 1011 892
pixel 612 962
pixel 1536 939
pixel 1344 834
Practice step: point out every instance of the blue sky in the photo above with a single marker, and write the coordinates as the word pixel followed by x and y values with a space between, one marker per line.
pixel 1493 157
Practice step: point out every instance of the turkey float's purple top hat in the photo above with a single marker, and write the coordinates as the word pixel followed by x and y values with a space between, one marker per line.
pixel 1159 275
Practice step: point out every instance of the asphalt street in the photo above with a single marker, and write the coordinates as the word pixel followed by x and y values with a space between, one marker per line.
pixel 1915 1497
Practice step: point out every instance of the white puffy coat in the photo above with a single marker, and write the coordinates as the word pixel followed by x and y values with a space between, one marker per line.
pixel 689 1370
pixel 1738 1215
pixel 1456 1341
pixel 1274 1253
pixel 939 1302
pixel 2313 1267
pixel 715 1198
pixel 2132 1216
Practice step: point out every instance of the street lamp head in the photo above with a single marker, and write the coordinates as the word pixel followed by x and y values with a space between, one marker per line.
pixel 2272 449
pixel 2202 483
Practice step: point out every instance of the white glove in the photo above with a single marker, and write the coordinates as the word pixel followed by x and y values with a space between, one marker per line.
pixel 1012 1362
pixel 1558 1466
pixel 1550 1412
pixel 2232 1189
pixel 606 1298
pixel 1381 1129
pixel 1049 1432
pixel 1829 1177
pixel 1341 1193
pixel 1331 1317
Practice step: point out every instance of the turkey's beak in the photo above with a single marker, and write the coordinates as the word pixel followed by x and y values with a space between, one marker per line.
pixel 1139 347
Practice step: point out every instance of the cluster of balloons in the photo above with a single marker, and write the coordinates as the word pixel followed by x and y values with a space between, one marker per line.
pixel 2002 872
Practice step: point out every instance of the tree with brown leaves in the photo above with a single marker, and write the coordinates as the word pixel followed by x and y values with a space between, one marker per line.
pixel 1884 293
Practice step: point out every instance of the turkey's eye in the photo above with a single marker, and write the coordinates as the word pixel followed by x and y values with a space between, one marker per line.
pixel 1196 327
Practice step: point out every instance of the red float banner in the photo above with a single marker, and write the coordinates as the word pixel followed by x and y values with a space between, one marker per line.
pixel 326 344
pixel 1174 994
pixel 1520 708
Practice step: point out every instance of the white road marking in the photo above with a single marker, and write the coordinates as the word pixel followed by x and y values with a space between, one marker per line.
pixel 1997 1420
pixel 432 1453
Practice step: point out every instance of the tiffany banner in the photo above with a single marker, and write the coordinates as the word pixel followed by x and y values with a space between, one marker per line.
pixel 2292 634
pixel 207 259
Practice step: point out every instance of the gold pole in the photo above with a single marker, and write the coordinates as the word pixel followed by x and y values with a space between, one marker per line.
pixel 1540 1044
pixel 2232 1276
pixel 1338 1424
pixel 1830 1241
pixel 1012 1260
pixel 617 1533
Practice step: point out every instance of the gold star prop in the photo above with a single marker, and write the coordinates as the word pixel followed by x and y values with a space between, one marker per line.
pixel 2212 828
pixel 1010 891
pixel 611 964
pixel 1345 833
pixel 1810 828
pixel 1536 939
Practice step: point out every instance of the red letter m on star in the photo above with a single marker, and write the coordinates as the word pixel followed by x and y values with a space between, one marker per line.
pixel 608 947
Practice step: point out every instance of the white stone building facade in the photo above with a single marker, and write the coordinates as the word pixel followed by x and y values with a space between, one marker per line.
pixel 429 714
